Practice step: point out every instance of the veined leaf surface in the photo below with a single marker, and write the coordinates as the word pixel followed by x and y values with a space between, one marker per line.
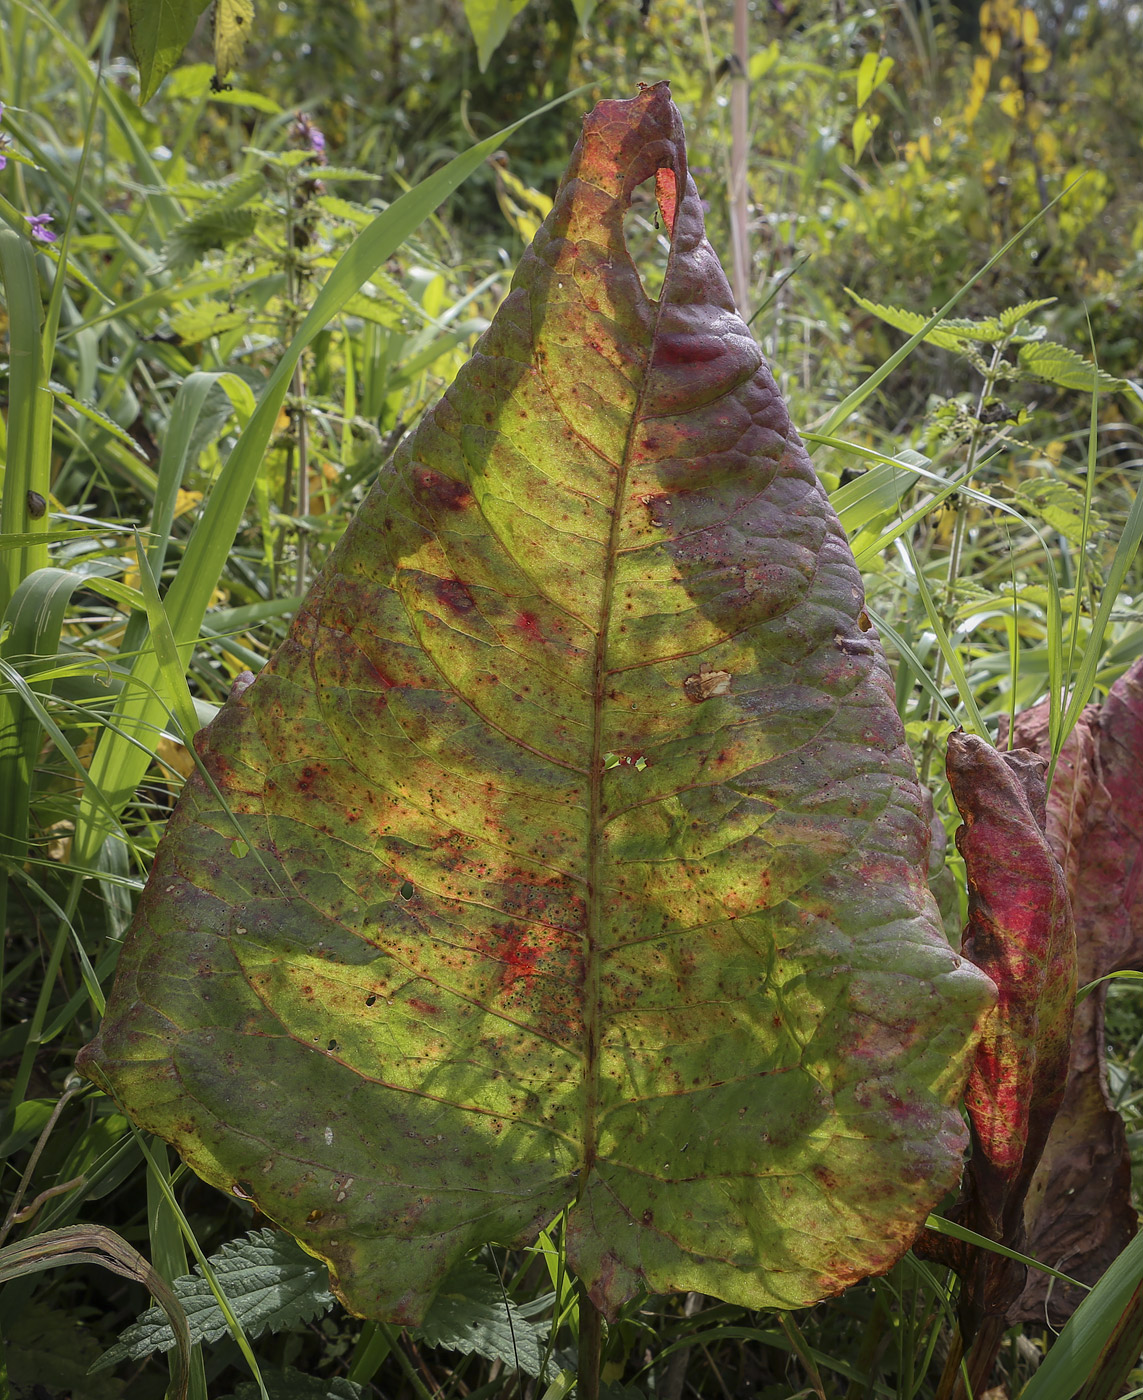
pixel 582 856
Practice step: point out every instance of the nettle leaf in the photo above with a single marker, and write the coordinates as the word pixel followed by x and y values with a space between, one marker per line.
pixel 1058 364
pixel 951 334
pixel 270 1282
pixel 471 1314
pixel 206 317
pixel 1061 506
pixel 289 1384
pixel 463 972
pixel 224 219
pixel 1010 318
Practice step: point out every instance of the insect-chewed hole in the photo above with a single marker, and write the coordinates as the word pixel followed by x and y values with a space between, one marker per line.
pixel 647 236
pixel 371 999
pixel 407 890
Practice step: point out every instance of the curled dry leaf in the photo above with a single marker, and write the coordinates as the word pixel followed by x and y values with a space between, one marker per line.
pixel 1020 932
pixel 464 968
pixel 1079 1211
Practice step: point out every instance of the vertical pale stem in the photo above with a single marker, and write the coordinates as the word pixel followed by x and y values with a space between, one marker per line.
pixel 739 158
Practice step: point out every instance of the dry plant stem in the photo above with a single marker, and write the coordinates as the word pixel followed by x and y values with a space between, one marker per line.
pixel 303 489
pixel 590 1347
pixel 739 151
pixel 982 1357
pixel 297 389
pixel 12 1217
pixel 949 1382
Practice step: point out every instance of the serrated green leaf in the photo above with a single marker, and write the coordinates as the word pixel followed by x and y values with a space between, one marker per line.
pixel 338 208
pixel 951 334
pixel 221 221
pixel 1059 364
pixel 206 318
pixel 477 976
pixel 289 1384
pixel 471 1314
pixel 489 21
pixel 160 31
pixel 242 97
pixel 381 313
pixel 1012 317
pixel 1060 505
pixel 270 1281
pixel 344 172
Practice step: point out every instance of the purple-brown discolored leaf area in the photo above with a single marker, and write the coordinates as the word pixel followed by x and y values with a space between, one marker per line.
pixel 1020 932
pixel 587 860
pixel 1079 1210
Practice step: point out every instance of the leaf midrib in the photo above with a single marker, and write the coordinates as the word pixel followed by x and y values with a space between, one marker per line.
pixel 593 950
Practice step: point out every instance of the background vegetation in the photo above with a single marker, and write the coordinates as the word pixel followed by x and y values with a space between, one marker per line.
pixel 199 230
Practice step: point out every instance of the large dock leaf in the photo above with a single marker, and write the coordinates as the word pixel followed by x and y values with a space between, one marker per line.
pixel 582 857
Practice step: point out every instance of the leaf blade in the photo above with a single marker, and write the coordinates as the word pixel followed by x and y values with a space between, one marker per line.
pixel 579 771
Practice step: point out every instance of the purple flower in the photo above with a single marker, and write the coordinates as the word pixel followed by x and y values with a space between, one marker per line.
pixel 305 133
pixel 38 227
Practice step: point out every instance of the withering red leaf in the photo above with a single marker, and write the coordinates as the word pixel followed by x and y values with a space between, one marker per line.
pixel 1020 932
pixel 1079 1211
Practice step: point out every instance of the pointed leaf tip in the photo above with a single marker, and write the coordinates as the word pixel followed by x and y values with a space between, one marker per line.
pixel 590 856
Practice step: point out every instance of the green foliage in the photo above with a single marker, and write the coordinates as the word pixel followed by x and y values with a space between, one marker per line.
pixel 472 1314
pixel 290 1384
pixel 270 1282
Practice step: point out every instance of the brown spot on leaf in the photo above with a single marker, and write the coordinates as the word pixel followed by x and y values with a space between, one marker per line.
pixel 454 595
pixel 706 684
pixel 434 488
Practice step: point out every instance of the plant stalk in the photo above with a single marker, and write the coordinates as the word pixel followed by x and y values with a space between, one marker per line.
pixel 590 1347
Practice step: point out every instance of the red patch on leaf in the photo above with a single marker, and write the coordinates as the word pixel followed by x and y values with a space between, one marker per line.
pixel 434 488
pixel 529 624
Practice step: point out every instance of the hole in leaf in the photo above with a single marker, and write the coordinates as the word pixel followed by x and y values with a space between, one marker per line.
pixel 371 999
pixel 647 227
pixel 407 890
